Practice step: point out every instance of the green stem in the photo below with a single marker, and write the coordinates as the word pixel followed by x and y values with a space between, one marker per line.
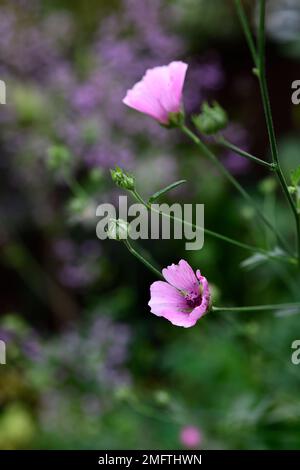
pixel 222 141
pixel 244 246
pixel 142 259
pixel 206 151
pixel 269 118
pixel 256 308
pixel 259 61
pixel 247 30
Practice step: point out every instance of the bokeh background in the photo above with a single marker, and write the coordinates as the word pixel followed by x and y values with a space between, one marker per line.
pixel 87 365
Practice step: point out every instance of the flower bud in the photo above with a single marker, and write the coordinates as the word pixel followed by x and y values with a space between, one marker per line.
pixel 118 229
pixel 122 179
pixel 211 120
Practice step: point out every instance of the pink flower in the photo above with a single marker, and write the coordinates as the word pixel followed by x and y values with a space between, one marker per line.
pixel 184 298
pixel 159 93
pixel 190 437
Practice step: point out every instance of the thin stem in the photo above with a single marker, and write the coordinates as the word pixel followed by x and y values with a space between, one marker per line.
pixel 206 151
pixel 142 259
pixel 247 30
pixel 225 143
pixel 269 118
pixel 244 246
pixel 259 61
pixel 256 308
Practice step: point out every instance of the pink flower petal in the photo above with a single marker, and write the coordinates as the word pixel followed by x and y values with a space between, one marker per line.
pixel 166 301
pixel 173 299
pixel 159 93
pixel 181 276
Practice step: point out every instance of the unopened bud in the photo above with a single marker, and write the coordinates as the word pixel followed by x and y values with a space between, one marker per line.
pixel 122 179
pixel 211 120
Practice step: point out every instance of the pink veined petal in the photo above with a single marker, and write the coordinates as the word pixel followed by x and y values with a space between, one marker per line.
pixel 163 295
pixel 159 93
pixel 139 99
pixel 174 75
pixel 157 83
pixel 167 302
pixel 179 318
pixel 204 307
pixel 178 72
pixel 181 276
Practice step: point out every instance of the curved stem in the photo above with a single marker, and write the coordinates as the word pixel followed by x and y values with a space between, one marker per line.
pixel 206 151
pixel 257 308
pixel 225 143
pixel 269 118
pixel 247 30
pixel 142 259
pixel 259 61
pixel 244 246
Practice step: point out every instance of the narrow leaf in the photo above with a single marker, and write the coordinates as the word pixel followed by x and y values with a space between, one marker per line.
pixel 160 193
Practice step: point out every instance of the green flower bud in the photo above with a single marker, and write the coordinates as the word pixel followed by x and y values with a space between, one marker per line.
pixel 122 179
pixel 211 120
pixel 118 229
pixel 58 156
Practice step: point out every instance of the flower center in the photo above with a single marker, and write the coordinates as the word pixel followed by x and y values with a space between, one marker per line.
pixel 193 300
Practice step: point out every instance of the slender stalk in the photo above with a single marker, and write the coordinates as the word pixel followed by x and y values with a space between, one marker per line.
pixel 206 151
pixel 247 30
pixel 259 61
pixel 269 118
pixel 142 259
pixel 244 246
pixel 225 143
pixel 256 308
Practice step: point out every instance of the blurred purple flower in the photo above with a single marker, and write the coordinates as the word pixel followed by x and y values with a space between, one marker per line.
pixel 238 136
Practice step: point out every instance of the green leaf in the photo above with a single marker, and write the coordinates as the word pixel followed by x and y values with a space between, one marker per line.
pixel 295 176
pixel 158 194
pixel 259 259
